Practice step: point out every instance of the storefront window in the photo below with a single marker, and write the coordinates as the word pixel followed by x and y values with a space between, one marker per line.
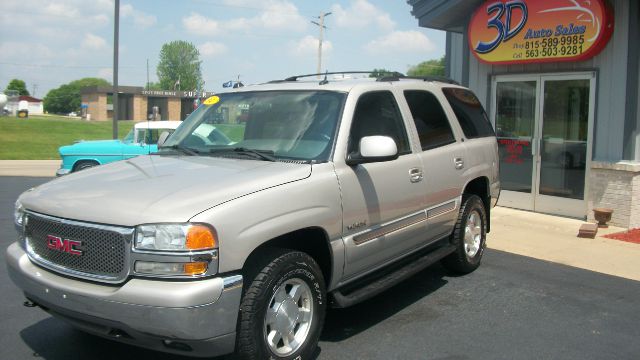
pixel 515 120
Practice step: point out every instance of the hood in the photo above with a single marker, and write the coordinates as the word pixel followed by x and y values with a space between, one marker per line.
pixel 155 188
pixel 90 144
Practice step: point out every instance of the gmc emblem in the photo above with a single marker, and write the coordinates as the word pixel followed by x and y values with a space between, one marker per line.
pixel 64 245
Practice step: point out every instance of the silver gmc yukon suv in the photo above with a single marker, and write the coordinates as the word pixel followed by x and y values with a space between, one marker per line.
pixel 330 192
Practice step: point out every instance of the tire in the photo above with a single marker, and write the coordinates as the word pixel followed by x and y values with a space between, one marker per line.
pixel 83 165
pixel 469 236
pixel 287 295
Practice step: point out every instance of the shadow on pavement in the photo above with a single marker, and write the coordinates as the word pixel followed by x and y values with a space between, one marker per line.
pixel 341 324
pixel 54 339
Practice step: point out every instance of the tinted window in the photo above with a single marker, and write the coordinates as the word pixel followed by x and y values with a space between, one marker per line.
pixel 472 117
pixel 377 114
pixel 290 125
pixel 430 119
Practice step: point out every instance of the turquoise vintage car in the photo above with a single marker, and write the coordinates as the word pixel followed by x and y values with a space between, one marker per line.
pixel 142 139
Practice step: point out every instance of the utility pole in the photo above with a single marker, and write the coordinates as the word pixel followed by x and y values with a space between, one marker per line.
pixel 116 31
pixel 33 90
pixel 147 74
pixel 321 27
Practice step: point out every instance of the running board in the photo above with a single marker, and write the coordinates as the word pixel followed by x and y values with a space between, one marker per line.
pixel 383 283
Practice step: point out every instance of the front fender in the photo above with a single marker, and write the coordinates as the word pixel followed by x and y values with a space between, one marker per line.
pixel 69 161
pixel 245 223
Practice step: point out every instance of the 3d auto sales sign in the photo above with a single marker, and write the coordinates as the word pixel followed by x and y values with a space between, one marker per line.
pixel 529 31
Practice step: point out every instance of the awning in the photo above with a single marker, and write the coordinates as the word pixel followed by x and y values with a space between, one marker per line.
pixel 448 15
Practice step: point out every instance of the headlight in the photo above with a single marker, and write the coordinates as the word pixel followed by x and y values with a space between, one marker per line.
pixel 175 237
pixel 18 213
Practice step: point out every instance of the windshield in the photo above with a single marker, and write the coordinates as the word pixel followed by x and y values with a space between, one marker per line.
pixel 129 137
pixel 149 136
pixel 299 125
pixel 145 136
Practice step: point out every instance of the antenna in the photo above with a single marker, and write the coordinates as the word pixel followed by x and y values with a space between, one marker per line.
pixel 325 81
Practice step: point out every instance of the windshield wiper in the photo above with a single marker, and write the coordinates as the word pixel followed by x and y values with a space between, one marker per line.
pixel 183 149
pixel 260 154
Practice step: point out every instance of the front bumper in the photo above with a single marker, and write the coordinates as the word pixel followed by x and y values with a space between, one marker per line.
pixel 200 316
pixel 62 171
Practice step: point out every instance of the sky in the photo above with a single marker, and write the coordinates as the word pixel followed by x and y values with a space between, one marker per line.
pixel 50 43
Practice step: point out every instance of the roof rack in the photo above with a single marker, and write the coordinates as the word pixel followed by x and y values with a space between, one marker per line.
pixel 441 79
pixel 385 76
pixel 434 78
pixel 296 77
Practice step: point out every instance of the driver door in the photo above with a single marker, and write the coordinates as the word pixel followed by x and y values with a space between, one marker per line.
pixel 384 214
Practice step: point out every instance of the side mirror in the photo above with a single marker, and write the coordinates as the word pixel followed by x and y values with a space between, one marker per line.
pixel 163 137
pixel 374 149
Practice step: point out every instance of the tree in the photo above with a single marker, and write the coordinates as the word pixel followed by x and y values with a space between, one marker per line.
pixel 67 97
pixel 376 73
pixel 62 100
pixel 179 66
pixel 433 67
pixel 84 82
pixel 155 86
pixel 17 85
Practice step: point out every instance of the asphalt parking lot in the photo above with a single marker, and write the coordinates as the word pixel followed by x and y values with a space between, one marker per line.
pixel 513 307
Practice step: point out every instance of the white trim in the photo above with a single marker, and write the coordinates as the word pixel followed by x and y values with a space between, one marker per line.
pixel 164 124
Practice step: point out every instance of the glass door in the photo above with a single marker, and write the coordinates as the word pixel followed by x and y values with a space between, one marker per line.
pixel 543 124
pixel 564 132
pixel 516 111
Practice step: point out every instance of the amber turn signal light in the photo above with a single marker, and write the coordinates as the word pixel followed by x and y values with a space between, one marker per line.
pixel 200 237
pixel 195 268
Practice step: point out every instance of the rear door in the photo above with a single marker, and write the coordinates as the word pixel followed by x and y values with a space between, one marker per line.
pixel 442 157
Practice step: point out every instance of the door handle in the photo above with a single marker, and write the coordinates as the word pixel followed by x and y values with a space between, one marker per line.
pixel 415 175
pixel 458 162
pixel 536 149
pixel 533 147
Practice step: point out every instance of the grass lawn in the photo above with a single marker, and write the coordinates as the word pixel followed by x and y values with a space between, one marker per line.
pixel 38 137
pixel 234 132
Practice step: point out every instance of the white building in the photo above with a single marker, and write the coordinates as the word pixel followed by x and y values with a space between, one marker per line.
pixel 34 105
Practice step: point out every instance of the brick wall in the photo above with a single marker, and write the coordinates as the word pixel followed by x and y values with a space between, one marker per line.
pixel 174 109
pixel 97 106
pixel 139 108
pixel 616 186
pixel 634 221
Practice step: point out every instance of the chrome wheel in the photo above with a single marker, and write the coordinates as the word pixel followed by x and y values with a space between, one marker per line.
pixel 473 234
pixel 288 318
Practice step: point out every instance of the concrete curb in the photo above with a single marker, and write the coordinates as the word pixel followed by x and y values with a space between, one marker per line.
pixel 36 168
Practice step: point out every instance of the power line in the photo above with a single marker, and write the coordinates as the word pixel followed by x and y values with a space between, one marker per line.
pixel 86 17
pixel 64 66
pixel 219 4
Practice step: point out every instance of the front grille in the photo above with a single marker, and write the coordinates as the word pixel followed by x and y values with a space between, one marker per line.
pixel 103 248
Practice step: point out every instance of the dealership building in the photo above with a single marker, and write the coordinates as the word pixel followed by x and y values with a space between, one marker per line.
pixel 559 80
pixel 136 103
